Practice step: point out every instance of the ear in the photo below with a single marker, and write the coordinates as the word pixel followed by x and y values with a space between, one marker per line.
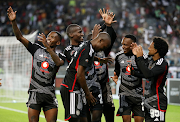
pixel 58 43
pixel 101 40
pixel 71 35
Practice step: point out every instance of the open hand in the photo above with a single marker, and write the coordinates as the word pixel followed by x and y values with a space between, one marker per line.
pixel 11 14
pixel 107 17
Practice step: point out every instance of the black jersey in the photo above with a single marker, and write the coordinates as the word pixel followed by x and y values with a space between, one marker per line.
pixel 155 73
pixel 101 68
pixel 130 85
pixel 69 51
pixel 84 56
pixel 43 69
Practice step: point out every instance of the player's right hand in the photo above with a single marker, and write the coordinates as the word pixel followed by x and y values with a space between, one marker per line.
pixel 90 99
pixel 11 14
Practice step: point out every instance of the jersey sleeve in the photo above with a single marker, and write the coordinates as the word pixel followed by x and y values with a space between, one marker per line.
pixel 148 73
pixel 32 48
pixel 117 66
pixel 113 36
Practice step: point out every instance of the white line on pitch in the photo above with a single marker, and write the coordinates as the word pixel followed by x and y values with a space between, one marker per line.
pixel 24 112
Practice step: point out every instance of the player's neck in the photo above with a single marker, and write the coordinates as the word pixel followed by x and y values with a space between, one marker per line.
pixel 156 57
pixel 72 42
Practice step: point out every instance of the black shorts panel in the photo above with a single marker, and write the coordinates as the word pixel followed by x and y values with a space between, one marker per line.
pixel 40 100
pixel 72 102
pixel 98 95
pixel 152 113
pixel 128 104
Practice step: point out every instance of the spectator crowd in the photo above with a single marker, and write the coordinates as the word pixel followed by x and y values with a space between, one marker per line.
pixel 142 18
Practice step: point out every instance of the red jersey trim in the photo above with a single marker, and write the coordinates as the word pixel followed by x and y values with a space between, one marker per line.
pixel 158 83
pixel 76 67
pixel 64 85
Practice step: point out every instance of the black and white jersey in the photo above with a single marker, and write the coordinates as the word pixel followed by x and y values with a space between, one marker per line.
pixel 155 73
pixel 69 51
pixel 130 85
pixel 84 56
pixel 43 69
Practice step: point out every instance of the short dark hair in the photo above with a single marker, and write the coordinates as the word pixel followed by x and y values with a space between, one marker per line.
pixel 70 28
pixel 161 45
pixel 132 37
pixel 59 35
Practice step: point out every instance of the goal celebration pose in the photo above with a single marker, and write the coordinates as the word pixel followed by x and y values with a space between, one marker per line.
pixel 45 66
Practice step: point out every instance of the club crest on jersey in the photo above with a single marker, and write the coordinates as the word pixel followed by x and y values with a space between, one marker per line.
pixel 86 60
pixel 72 52
pixel 44 65
pixel 122 61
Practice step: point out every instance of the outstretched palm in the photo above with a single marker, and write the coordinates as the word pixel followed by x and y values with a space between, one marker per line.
pixel 107 17
pixel 11 14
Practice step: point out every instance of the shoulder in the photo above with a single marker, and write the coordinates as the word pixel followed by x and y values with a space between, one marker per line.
pixel 119 53
pixel 68 48
pixel 161 61
pixel 38 46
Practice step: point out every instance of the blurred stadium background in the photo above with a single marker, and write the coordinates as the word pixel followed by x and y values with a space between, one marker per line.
pixel 142 18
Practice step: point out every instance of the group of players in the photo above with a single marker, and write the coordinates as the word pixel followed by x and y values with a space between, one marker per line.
pixel 85 91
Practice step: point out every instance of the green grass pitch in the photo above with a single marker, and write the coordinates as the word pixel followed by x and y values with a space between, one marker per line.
pixel 20 113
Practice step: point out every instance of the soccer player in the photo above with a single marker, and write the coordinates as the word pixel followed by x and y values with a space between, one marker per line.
pixel 80 65
pixel 102 70
pixel 155 71
pixel 130 89
pixel 45 66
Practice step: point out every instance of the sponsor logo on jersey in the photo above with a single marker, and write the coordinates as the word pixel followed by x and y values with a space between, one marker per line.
pixel 86 60
pixel 44 65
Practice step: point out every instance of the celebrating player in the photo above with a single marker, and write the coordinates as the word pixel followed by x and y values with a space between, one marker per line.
pixel 45 66
pixel 155 71
pixel 130 89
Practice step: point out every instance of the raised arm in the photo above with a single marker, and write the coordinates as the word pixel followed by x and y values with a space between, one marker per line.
pixel 12 17
pixel 108 19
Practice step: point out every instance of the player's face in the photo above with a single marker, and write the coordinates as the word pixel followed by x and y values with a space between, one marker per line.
pixel 78 34
pixel 151 49
pixel 53 39
pixel 126 44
